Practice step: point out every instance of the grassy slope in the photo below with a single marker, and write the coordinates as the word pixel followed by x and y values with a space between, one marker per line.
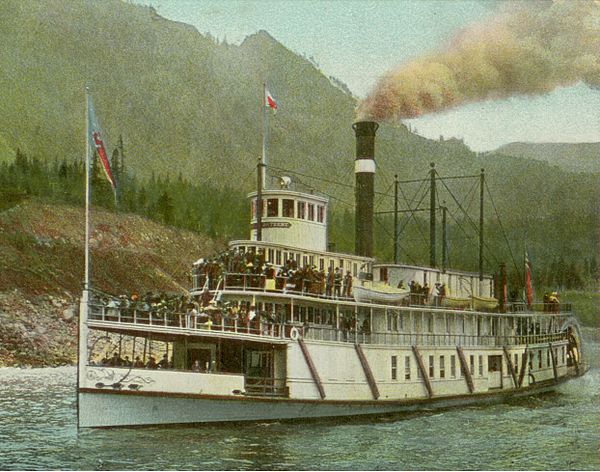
pixel 42 251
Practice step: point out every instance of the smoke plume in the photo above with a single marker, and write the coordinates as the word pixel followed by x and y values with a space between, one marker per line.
pixel 525 48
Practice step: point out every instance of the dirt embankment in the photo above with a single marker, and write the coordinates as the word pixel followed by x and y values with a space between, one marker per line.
pixel 42 264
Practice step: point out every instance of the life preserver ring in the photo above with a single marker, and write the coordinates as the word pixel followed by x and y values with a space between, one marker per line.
pixel 294 333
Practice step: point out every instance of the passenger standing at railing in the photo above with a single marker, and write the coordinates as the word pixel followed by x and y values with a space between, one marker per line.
pixel 348 285
pixel 337 283
pixel 190 317
pixel 112 309
pixel 442 294
pixel 554 302
pixel 330 281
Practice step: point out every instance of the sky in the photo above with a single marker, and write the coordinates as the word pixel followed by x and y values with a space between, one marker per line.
pixel 357 41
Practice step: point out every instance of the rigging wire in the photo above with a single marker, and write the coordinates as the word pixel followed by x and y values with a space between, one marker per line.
pixel 521 277
pixel 470 220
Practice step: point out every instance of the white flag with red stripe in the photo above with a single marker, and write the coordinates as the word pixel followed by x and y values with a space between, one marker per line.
pixel 270 101
pixel 97 142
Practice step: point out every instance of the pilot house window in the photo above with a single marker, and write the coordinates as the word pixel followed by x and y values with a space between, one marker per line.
pixel 272 207
pixel 311 212
pixel 320 213
pixel 301 210
pixel 288 208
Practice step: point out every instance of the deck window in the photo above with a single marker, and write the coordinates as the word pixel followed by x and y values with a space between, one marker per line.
pixel 311 212
pixel 453 367
pixel 540 359
pixel 431 367
pixel 301 210
pixel 472 364
pixel 320 213
pixel 394 367
pixel 407 368
pixel 531 360
pixel 516 364
pixel 278 257
pixel 288 208
pixel 271 255
pixel 547 357
pixel 563 354
pixel 429 320
pixel 272 207
pixel 481 366
pixel 442 367
pixel 321 264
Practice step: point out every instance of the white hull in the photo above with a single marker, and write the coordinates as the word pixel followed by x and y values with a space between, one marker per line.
pixel 108 409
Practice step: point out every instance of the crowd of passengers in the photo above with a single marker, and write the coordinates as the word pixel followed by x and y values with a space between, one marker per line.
pixel 421 294
pixel 117 361
pixel 251 269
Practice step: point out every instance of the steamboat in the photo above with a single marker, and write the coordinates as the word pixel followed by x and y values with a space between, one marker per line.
pixel 261 337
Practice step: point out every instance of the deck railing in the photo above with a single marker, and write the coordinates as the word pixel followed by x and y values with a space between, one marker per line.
pixel 311 288
pixel 268 329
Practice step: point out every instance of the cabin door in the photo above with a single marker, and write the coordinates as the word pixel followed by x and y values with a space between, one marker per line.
pixel 259 363
pixel 494 371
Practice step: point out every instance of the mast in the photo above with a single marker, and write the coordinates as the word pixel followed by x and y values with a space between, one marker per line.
pixel 88 195
pixel 82 338
pixel 432 217
pixel 259 204
pixel 396 229
pixel 265 124
pixel 481 185
pixel 444 238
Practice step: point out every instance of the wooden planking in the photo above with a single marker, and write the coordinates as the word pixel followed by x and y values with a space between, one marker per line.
pixel 465 368
pixel 312 368
pixel 554 369
pixel 524 366
pixel 367 370
pixel 424 374
pixel 511 368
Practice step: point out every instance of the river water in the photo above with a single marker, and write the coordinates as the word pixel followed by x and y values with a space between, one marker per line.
pixel 559 430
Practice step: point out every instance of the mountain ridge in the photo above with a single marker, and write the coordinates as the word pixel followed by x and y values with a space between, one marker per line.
pixel 572 157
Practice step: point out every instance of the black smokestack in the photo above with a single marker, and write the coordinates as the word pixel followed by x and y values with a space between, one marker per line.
pixel 364 168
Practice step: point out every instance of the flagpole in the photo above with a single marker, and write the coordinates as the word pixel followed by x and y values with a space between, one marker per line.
pixel 82 337
pixel 265 131
pixel 88 194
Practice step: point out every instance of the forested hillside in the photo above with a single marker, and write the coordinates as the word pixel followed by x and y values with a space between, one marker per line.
pixel 575 157
pixel 187 109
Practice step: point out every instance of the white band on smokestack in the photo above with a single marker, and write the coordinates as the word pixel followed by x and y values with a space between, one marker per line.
pixel 364 165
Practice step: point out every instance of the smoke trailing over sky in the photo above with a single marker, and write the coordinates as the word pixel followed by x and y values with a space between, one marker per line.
pixel 526 48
